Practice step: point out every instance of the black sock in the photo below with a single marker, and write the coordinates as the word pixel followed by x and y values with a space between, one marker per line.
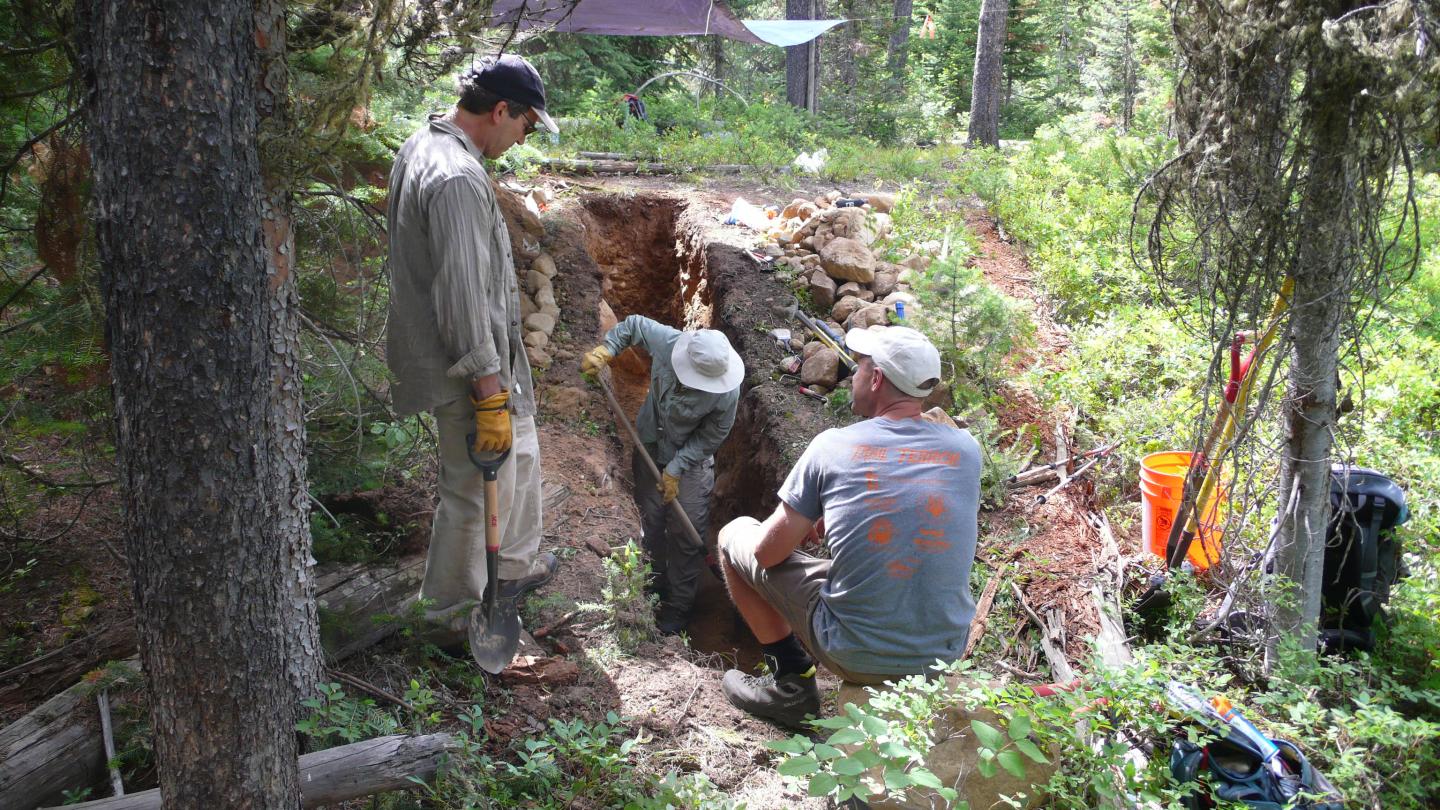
pixel 788 657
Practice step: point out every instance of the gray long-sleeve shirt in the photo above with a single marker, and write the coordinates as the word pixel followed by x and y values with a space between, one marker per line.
pixel 454 298
pixel 684 425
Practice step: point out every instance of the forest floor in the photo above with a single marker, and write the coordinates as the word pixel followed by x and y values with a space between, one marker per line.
pixel 640 245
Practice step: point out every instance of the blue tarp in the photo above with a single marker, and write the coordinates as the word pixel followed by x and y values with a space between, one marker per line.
pixel 786 33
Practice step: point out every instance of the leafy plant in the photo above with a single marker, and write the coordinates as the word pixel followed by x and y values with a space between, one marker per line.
pixel 573 761
pixel 629 608
pixel 336 719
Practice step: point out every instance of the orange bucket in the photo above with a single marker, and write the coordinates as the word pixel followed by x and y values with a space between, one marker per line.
pixel 1162 483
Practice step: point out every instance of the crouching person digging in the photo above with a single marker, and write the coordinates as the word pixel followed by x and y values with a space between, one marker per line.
pixel 689 410
pixel 897 497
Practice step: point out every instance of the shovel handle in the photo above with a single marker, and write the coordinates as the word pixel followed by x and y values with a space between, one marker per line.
pixel 604 379
pixel 490 471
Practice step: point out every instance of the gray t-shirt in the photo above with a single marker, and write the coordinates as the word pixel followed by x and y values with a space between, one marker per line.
pixel 900 499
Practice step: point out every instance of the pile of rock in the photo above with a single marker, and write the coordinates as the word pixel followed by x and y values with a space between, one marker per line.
pixel 826 251
pixel 538 310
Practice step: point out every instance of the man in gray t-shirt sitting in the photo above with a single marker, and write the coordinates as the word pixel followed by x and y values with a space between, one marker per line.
pixel 897 498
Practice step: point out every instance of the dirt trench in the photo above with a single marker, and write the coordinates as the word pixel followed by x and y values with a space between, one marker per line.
pixel 664 257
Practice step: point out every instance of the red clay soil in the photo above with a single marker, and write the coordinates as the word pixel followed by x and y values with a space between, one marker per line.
pixel 1054 558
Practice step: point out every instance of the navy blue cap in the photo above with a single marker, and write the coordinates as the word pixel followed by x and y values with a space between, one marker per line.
pixel 514 79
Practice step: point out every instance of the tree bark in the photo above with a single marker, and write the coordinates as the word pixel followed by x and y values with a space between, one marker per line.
pixel 847 46
pixel 206 437
pixel 985 91
pixel 899 49
pixel 1322 277
pixel 802 61
pixel 291 517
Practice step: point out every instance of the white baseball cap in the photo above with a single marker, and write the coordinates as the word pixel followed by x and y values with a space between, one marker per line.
pixel 910 361
pixel 704 360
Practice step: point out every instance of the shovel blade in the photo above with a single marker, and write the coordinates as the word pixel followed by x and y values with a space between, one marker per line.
pixel 494 635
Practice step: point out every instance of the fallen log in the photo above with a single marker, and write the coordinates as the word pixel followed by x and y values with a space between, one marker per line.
pixel 41 677
pixel 340 774
pixel 355 599
pixel 982 610
pixel 609 166
pixel 54 748
pixel 1111 641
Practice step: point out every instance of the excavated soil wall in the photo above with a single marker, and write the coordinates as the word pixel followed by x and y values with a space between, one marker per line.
pixel 668 259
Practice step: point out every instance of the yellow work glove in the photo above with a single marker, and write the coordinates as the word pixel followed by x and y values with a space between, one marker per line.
pixel 595 359
pixel 492 424
pixel 669 487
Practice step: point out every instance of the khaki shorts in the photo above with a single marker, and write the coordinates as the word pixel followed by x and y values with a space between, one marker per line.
pixel 792 588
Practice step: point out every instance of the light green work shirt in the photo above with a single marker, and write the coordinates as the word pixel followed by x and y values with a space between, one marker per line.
pixel 685 425
pixel 454 298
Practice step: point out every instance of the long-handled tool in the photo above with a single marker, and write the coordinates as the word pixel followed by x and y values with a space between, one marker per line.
pixel 822 332
pixel 604 377
pixel 1203 477
pixel 494 627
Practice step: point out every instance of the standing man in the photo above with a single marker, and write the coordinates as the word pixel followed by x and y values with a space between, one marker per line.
pixel 694 388
pixel 898 497
pixel 455 345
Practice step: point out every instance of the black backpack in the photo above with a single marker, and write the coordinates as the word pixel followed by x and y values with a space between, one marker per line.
pixel 1230 769
pixel 1362 555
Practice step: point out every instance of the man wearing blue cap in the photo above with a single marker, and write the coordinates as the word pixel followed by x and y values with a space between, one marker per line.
pixel 455 343
pixel 689 410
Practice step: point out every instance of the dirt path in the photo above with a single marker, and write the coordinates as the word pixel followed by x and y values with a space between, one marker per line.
pixel 1049 549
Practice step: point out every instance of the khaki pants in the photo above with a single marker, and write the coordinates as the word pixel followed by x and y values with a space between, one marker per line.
pixel 455 569
pixel 792 588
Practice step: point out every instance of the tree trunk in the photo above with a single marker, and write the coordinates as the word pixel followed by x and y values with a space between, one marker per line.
pixel 899 49
pixel 847 45
pixel 1129 82
pixel 206 439
pixel 291 519
pixel 1322 272
pixel 985 92
pixel 802 61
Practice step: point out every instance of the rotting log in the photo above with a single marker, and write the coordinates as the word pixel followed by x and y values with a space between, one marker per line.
pixel 340 774
pixel 982 610
pixel 1113 645
pixel 606 166
pixel 54 748
pixel 44 676
pixel 354 598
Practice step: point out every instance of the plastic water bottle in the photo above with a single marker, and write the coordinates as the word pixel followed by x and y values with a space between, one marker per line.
pixel 899 310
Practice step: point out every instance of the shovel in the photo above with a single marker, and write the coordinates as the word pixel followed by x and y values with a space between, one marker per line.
pixel 604 379
pixel 494 629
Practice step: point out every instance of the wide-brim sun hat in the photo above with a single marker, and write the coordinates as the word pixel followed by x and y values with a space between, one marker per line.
pixel 910 361
pixel 705 360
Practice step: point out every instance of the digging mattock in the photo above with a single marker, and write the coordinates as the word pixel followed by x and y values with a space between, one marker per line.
pixel 603 377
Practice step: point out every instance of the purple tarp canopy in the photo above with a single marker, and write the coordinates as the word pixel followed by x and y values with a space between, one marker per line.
pixel 630 18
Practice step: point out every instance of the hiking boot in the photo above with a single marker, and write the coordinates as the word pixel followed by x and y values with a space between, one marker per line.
pixel 672 621
pixel 448 631
pixel 541 572
pixel 786 699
